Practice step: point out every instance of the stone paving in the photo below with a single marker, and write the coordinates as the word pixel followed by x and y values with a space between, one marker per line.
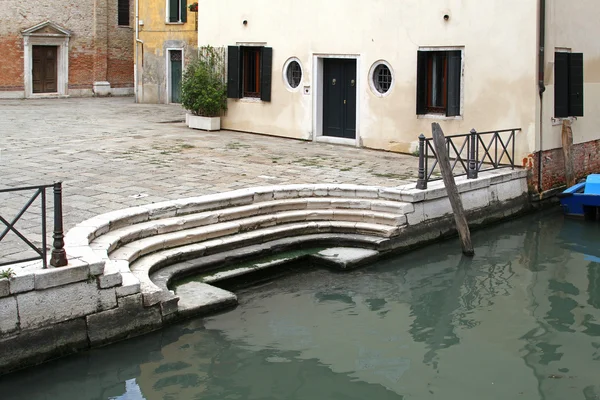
pixel 111 153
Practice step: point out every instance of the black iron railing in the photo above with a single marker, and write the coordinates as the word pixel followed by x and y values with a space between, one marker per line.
pixel 58 256
pixel 469 154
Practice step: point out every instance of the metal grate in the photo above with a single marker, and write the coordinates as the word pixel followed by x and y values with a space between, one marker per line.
pixel 382 78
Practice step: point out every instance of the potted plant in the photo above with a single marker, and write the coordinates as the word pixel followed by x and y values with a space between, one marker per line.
pixel 193 7
pixel 204 90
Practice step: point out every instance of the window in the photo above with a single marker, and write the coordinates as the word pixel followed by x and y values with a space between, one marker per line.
pixel 249 72
pixel 381 78
pixel 439 82
pixel 123 12
pixel 568 85
pixel 293 73
pixel 177 10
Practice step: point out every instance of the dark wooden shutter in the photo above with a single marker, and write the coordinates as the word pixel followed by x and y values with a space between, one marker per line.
pixel 454 76
pixel 173 10
pixel 266 67
pixel 233 72
pixel 123 12
pixel 561 85
pixel 184 10
pixel 421 82
pixel 576 85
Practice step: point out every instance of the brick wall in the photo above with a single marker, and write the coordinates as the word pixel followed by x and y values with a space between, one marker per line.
pixel 99 49
pixel 586 160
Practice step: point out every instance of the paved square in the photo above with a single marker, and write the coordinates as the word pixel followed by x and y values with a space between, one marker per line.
pixel 111 153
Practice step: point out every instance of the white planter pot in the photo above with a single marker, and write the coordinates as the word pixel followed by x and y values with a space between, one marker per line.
pixel 204 123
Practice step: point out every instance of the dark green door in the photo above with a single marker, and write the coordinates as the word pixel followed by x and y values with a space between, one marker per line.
pixel 339 98
pixel 176 71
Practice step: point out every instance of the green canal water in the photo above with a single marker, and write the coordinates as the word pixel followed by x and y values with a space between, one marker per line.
pixel 521 320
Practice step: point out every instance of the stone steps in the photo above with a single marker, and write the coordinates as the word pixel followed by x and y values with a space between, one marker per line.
pixel 143 248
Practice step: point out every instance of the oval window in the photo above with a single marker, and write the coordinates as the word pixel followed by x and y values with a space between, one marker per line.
pixel 382 78
pixel 293 74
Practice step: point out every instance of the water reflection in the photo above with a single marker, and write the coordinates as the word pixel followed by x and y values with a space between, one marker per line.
pixel 520 320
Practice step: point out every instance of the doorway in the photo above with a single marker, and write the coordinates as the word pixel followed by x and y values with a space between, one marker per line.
pixel 339 98
pixel 176 71
pixel 44 69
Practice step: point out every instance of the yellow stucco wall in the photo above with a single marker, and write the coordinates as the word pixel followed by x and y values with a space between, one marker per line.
pixel 500 62
pixel 152 56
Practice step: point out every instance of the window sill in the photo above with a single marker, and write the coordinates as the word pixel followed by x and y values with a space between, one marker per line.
pixel 250 100
pixel 559 120
pixel 440 117
pixel 174 23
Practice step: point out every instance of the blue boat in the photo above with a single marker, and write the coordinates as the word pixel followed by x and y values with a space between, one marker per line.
pixel 583 199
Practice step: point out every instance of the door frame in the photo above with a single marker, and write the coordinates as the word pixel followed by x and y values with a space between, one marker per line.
pixel 36 36
pixel 168 69
pixel 317 135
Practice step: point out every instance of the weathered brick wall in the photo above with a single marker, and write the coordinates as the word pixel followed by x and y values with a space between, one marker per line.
pixel 98 48
pixel 586 160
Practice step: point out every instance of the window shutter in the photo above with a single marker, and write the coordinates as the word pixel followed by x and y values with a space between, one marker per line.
pixel 454 75
pixel 184 10
pixel 123 12
pixel 173 10
pixel 233 72
pixel 576 84
pixel 561 85
pixel 266 57
pixel 421 82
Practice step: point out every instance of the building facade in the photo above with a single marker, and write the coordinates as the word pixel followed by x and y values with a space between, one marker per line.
pixel 166 37
pixel 350 72
pixel 66 48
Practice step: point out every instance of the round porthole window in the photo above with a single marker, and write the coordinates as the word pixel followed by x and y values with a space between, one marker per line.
pixel 381 78
pixel 292 73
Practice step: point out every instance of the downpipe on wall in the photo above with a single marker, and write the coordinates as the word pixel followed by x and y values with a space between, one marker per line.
pixel 137 40
pixel 541 86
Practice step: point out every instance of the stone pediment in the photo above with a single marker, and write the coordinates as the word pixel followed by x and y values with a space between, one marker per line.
pixel 47 28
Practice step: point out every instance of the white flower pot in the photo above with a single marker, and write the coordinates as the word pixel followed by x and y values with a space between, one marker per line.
pixel 203 123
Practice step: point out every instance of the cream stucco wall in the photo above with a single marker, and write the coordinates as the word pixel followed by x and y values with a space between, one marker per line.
pixel 499 78
pixel 573 25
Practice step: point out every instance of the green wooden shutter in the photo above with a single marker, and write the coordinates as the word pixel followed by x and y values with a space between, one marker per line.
pixel 576 84
pixel 233 72
pixel 561 85
pixel 454 76
pixel 173 10
pixel 421 82
pixel 266 61
pixel 184 10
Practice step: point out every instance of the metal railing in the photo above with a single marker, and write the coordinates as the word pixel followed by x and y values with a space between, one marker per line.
pixel 469 154
pixel 58 256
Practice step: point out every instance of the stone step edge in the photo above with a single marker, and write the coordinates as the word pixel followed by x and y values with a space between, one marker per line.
pixel 103 223
pixel 194 223
pixel 163 276
pixel 213 233
pixel 143 267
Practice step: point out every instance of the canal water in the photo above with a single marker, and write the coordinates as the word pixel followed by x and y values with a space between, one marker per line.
pixel 521 320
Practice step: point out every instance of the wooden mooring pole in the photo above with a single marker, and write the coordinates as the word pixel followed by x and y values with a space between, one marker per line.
pixel 439 141
pixel 567 145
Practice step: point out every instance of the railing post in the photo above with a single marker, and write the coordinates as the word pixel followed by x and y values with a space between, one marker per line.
pixel 59 256
pixel 472 172
pixel 421 181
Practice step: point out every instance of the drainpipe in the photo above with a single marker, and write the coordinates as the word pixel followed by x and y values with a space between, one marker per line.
pixel 137 40
pixel 542 88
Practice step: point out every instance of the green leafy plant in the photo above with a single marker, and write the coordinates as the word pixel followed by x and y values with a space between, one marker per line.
pixel 203 87
pixel 7 273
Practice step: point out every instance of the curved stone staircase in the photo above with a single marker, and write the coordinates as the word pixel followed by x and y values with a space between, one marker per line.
pixel 142 249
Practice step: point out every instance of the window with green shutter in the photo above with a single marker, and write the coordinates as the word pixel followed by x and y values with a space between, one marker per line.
pixel 568 85
pixel 249 72
pixel 177 11
pixel 439 82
